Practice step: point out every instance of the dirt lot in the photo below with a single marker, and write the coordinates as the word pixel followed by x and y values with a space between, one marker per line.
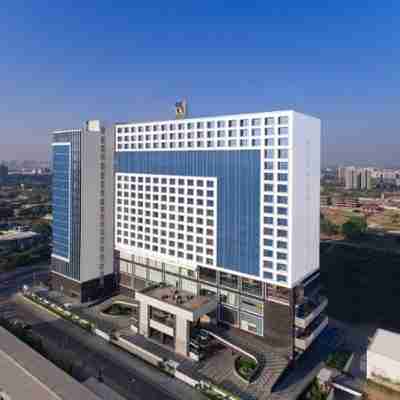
pixel 388 220
pixel 375 392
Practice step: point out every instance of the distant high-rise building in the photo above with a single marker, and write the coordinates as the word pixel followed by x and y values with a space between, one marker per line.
pixel 357 178
pixel 83 200
pixel 341 173
pixel 365 175
pixel 350 178
pixel 3 173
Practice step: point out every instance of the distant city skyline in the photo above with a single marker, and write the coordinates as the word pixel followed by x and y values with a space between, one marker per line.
pixel 60 66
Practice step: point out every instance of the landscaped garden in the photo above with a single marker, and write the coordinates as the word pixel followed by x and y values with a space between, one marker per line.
pixel 60 311
pixel 245 367
pixel 118 310
pixel 338 359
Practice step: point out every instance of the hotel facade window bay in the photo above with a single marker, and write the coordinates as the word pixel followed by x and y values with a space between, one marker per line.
pixel 225 208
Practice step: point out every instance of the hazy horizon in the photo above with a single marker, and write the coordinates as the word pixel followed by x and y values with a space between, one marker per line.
pixel 339 62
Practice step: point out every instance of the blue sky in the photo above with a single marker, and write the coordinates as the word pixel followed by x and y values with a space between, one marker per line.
pixel 63 62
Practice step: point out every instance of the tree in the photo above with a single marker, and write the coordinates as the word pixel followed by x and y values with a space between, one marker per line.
pixel 354 228
pixel 328 227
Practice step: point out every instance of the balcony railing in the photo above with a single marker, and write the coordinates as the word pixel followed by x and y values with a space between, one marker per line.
pixel 162 327
pixel 309 310
pixel 163 319
pixel 304 337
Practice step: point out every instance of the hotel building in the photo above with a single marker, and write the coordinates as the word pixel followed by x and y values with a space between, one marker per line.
pixel 223 208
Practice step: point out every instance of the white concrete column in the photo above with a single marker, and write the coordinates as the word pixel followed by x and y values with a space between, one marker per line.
pixel 182 332
pixel 144 319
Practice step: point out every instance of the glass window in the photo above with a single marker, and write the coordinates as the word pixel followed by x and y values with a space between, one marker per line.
pixel 269 177
pixel 282 188
pixel 281 267
pixel 283 153
pixel 189 286
pixel 269 187
pixel 269 142
pixel 269 131
pixel 281 256
pixel 281 278
pixel 228 280
pixel 283 131
pixel 283 120
pixel 268 275
pixel 155 276
pixel 172 280
pixel 208 275
pixel 141 271
pixel 282 210
pixel 283 142
pixel 172 268
pixel 269 121
pixel 283 165
pixel 206 290
pixel 268 264
pixel 251 305
pixel 251 323
pixel 268 253
pixel 269 165
pixel 269 153
pixel 228 297
pixel 229 315
pixel 282 199
pixel 282 233
pixel 251 286
pixel 268 198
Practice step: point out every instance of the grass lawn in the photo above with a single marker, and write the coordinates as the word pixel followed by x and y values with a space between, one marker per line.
pixel 362 284
pixel 245 367
pixel 338 359
pixel 118 309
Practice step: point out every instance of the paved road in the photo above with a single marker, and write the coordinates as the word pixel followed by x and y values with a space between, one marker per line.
pixel 126 374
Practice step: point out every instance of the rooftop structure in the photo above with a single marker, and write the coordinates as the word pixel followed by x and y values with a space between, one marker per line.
pixel 177 297
pixel 383 359
pixel 386 343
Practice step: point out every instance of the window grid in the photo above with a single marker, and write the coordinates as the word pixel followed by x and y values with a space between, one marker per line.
pixel 169 215
pixel 217 133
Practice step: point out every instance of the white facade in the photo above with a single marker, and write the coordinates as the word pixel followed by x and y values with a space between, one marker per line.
pixel 289 148
pixel 97 200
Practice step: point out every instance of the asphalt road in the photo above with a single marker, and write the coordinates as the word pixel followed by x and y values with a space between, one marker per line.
pixel 129 376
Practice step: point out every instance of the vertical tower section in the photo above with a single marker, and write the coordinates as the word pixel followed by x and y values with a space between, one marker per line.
pixel 304 197
pixel 83 202
pixel 62 200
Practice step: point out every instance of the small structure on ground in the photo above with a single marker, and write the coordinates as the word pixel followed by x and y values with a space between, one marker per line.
pixel 383 359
